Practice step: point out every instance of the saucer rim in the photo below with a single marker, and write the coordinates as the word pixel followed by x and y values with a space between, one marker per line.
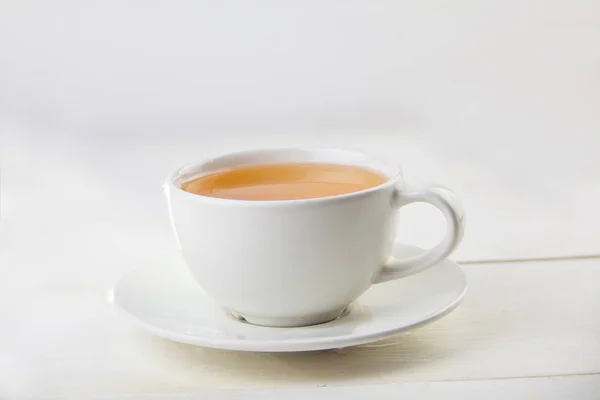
pixel 288 345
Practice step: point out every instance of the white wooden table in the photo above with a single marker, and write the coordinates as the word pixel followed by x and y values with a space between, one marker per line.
pixel 73 222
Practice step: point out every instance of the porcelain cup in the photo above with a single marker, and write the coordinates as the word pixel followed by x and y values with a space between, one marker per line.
pixel 299 262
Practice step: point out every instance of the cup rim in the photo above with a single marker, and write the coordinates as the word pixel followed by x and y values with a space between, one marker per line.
pixel 394 180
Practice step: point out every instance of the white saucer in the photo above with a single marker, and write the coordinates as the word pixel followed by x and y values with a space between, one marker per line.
pixel 165 300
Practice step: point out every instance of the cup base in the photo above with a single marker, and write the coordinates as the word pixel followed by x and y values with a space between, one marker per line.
pixel 292 322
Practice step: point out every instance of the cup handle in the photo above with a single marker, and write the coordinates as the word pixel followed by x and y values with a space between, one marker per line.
pixel 451 207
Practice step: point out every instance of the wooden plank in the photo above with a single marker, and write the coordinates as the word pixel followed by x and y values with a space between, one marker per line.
pixel 518 320
pixel 580 387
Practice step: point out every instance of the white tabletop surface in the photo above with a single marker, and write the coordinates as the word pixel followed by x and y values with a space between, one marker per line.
pixel 74 221
pixel 496 100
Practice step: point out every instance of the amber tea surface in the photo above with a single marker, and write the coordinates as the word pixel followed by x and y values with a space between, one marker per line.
pixel 285 181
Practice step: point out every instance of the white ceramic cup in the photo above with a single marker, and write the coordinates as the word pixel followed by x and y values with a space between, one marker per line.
pixel 299 262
